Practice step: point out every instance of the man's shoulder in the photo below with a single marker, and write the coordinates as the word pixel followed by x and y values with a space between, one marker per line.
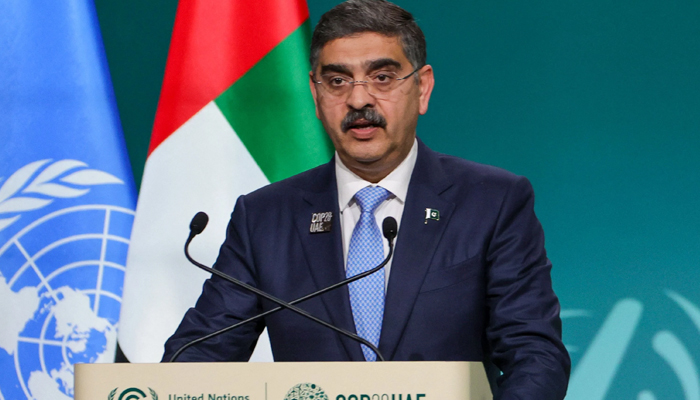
pixel 320 178
pixel 461 166
pixel 466 172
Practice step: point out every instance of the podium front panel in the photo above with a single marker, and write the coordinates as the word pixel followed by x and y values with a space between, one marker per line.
pixel 283 381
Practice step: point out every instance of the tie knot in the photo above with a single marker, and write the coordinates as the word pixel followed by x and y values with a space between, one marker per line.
pixel 370 197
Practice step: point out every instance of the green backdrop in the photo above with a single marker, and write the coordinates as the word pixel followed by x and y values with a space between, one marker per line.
pixel 598 103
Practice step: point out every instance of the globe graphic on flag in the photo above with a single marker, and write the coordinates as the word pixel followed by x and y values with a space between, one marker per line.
pixel 64 285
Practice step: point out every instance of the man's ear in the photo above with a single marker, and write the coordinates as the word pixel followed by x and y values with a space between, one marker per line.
pixel 314 93
pixel 427 82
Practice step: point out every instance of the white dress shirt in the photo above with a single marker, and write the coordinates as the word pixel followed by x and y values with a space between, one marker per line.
pixel 396 183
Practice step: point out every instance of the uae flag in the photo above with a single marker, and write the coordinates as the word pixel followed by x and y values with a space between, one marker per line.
pixel 235 113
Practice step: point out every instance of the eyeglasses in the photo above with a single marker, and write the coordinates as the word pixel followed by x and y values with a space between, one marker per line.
pixel 377 83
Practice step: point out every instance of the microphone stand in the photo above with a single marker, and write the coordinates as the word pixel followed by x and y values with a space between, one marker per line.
pixel 299 300
pixel 389 233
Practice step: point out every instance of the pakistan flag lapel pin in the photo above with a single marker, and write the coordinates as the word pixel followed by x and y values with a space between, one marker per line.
pixel 431 213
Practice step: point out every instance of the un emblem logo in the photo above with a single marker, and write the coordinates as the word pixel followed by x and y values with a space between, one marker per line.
pixel 306 391
pixel 132 394
pixel 61 276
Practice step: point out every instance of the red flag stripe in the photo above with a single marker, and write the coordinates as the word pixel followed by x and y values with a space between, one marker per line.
pixel 213 44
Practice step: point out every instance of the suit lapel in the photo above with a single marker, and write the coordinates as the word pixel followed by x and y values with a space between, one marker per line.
pixel 324 252
pixel 416 244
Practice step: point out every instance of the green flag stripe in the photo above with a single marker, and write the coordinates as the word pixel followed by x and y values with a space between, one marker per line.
pixel 272 111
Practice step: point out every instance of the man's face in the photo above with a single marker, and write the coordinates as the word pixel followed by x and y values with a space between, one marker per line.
pixel 372 133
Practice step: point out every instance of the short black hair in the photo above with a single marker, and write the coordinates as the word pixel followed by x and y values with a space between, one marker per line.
pixel 379 16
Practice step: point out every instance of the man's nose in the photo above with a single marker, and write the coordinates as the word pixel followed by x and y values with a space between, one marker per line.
pixel 360 96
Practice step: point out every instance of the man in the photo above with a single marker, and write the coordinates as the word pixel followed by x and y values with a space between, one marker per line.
pixel 470 279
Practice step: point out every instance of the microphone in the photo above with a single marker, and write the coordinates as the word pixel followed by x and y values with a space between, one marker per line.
pixel 389 229
pixel 199 222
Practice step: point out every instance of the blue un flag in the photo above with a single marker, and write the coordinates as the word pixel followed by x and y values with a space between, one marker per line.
pixel 67 198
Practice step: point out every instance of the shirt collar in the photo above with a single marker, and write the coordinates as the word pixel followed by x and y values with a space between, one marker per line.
pixel 396 182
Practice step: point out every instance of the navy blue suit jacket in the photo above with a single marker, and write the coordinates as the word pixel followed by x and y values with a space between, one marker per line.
pixel 474 285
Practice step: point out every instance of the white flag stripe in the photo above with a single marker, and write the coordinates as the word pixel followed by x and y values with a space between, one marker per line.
pixel 203 166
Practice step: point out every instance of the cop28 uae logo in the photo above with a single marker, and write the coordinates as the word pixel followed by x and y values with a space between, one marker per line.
pixel 61 275
pixel 306 391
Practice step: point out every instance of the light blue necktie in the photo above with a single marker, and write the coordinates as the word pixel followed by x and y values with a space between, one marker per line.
pixel 365 252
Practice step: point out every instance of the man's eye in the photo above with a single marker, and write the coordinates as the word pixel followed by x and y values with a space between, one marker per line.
pixel 382 78
pixel 337 81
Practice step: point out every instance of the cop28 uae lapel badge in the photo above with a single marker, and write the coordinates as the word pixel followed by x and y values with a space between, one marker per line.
pixel 321 222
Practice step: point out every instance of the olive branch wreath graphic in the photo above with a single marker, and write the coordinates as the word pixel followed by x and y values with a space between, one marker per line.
pixel 39 183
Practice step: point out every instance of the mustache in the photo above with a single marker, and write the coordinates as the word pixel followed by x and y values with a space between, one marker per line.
pixel 368 114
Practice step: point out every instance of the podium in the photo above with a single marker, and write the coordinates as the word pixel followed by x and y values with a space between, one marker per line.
pixel 283 381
